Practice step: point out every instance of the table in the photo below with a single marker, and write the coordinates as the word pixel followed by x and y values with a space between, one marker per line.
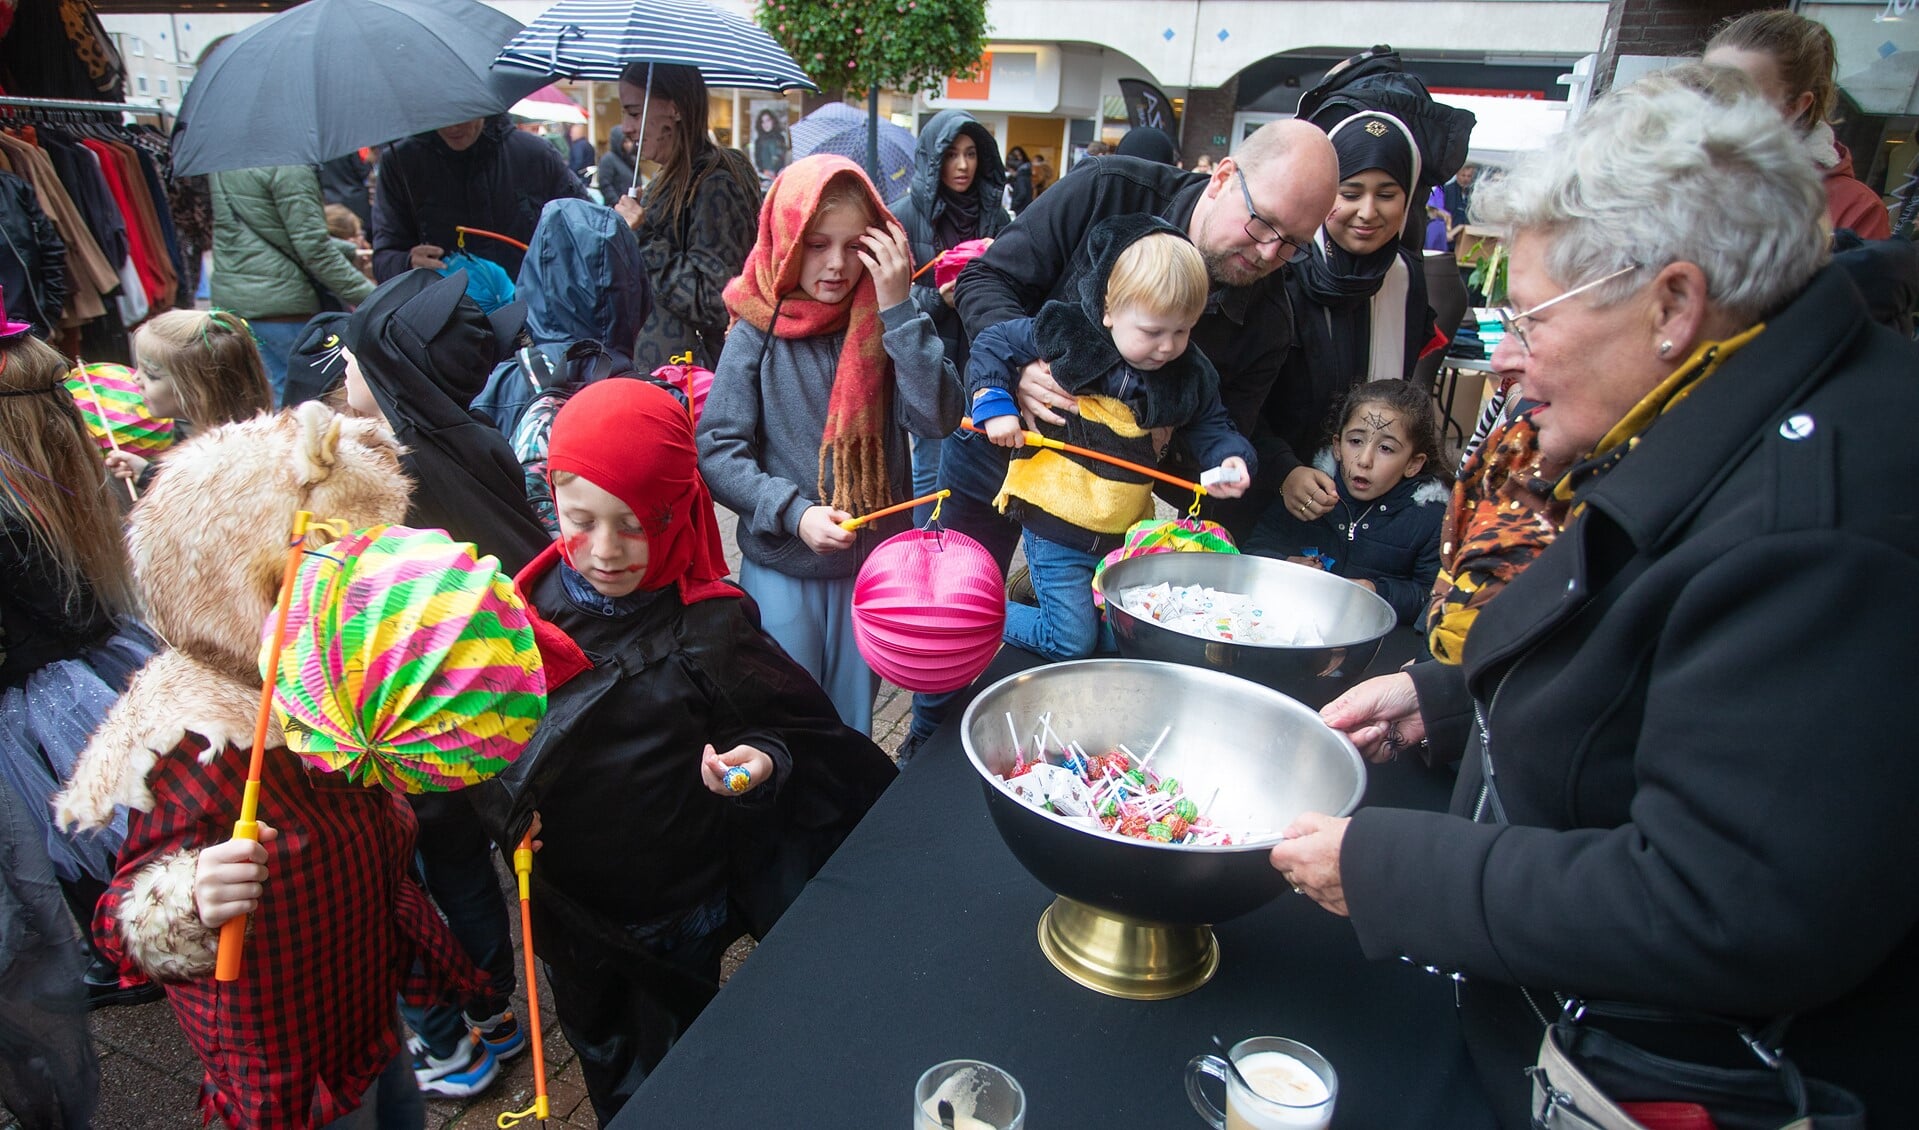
pixel 1447 390
pixel 917 944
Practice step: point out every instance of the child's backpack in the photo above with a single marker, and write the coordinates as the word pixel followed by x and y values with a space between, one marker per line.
pixel 529 439
pixel 691 381
pixel 515 383
pixel 1376 80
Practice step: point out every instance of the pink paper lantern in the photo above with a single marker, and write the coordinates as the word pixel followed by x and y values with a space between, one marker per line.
pixel 928 609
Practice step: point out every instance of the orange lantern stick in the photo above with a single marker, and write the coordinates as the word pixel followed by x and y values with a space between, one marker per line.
pixel 233 935
pixel 541 1109
pixel 852 524
pixel 466 231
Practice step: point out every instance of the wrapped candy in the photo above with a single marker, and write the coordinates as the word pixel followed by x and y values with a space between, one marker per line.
pixel 1208 613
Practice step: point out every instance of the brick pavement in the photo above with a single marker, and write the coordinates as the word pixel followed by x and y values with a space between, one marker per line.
pixel 150 1078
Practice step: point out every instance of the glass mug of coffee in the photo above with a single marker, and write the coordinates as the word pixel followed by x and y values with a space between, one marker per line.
pixel 1280 1085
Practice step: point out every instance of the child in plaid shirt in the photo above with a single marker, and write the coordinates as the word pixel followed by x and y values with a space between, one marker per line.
pixel 300 1039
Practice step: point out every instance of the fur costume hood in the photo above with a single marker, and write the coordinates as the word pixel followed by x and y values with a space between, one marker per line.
pixel 208 545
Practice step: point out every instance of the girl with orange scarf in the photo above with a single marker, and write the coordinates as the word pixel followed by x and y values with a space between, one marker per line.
pixel 828 368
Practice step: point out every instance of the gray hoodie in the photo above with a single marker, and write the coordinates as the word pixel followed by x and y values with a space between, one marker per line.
pixel 760 433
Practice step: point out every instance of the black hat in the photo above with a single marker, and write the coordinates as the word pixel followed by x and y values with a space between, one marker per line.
pixel 1149 144
pixel 427 323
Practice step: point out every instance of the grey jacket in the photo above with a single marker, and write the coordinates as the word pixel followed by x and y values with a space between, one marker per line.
pixel 269 238
pixel 760 433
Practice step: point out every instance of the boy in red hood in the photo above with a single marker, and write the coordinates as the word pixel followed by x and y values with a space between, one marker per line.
pixel 689 776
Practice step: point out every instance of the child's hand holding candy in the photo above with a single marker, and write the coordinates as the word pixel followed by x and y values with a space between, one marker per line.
pixel 722 772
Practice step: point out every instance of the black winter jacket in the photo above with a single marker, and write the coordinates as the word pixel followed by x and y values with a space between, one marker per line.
pixel 1694 708
pixel 33 264
pixel 1245 331
pixel 498 184
pixel 1392 541
pixel 923 205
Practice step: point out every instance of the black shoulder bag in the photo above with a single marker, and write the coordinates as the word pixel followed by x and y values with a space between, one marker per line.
pixel 1588 1078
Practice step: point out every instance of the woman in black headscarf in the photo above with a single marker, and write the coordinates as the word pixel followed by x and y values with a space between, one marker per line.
pixel 1359 304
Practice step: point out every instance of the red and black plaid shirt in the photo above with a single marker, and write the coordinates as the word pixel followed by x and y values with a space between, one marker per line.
pixel 297 1040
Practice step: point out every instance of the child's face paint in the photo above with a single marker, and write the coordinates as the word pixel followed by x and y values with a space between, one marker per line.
pixel 1375 453
pixel 600 537
pixel 830 265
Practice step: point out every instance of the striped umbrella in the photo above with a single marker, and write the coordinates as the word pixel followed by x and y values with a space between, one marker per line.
pixel 409 662
pixel 116 413
pixel 596 39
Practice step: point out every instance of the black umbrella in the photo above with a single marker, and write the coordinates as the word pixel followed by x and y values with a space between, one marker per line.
pixel 327 77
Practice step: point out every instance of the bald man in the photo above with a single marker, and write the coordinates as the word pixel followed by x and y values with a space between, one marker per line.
pixel 1256 211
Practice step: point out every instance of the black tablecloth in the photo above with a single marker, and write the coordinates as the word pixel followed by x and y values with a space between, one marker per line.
pixel 917 943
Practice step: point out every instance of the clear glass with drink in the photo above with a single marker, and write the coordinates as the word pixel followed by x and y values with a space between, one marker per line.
pixel 977 1095
pixel 1280 1085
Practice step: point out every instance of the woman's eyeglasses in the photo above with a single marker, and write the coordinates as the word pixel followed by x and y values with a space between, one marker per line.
pixel 1510 319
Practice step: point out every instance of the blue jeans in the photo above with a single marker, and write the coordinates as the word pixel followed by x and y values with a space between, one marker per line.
pixel 926 476
pixel 393 1102
pixel 974 470
pixel 456 860
pixel 276 341
pixel 1065 625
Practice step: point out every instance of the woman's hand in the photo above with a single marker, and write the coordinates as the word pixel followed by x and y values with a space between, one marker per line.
pixel 1237 486
pixel 1380 715
pixel 229 878
pixel 630 210
pixel 427 255
pixel 1309 859
pixel 124 464
pixel 820 530
pixel 713 767
pixel 1039 394
pixel 1308 493
pixel 889 259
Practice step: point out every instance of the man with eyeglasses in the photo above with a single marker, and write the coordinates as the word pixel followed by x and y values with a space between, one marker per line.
pixel 1255 212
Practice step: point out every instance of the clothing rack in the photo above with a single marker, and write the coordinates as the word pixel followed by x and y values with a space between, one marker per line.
pixel 77 106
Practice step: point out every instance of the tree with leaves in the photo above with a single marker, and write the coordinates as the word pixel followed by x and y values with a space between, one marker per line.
pixel 860 46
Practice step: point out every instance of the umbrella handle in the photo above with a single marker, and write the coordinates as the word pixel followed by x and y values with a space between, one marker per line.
pixel 233 935
pixel 523 869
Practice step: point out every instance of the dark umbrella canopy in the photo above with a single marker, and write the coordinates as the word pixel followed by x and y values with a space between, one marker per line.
pixel 895 164
pixel 327 77
pixel 596 39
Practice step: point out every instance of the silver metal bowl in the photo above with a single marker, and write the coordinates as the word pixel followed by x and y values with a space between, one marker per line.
pixel 1352 620
pixel 1267 757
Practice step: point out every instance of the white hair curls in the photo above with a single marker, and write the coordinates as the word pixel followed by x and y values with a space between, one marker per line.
pixel 1686 165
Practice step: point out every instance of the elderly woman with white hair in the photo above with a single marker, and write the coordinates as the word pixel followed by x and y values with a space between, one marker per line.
pixel 1686 783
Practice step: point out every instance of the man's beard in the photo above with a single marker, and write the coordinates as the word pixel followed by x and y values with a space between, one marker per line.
pixel 1224 268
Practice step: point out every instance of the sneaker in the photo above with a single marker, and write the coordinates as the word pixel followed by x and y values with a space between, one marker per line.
pixel 501 1034
pixel 908 750
pixel 468 1071
pixel 1019 586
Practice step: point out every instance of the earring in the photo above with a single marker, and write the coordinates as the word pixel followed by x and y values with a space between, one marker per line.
pixel 1665 347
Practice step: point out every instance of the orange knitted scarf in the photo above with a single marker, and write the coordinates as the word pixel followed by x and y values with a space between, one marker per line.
pixel 853 446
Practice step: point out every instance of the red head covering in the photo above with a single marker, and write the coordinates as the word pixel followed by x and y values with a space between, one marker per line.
pixel 634 441
pixel 854 445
